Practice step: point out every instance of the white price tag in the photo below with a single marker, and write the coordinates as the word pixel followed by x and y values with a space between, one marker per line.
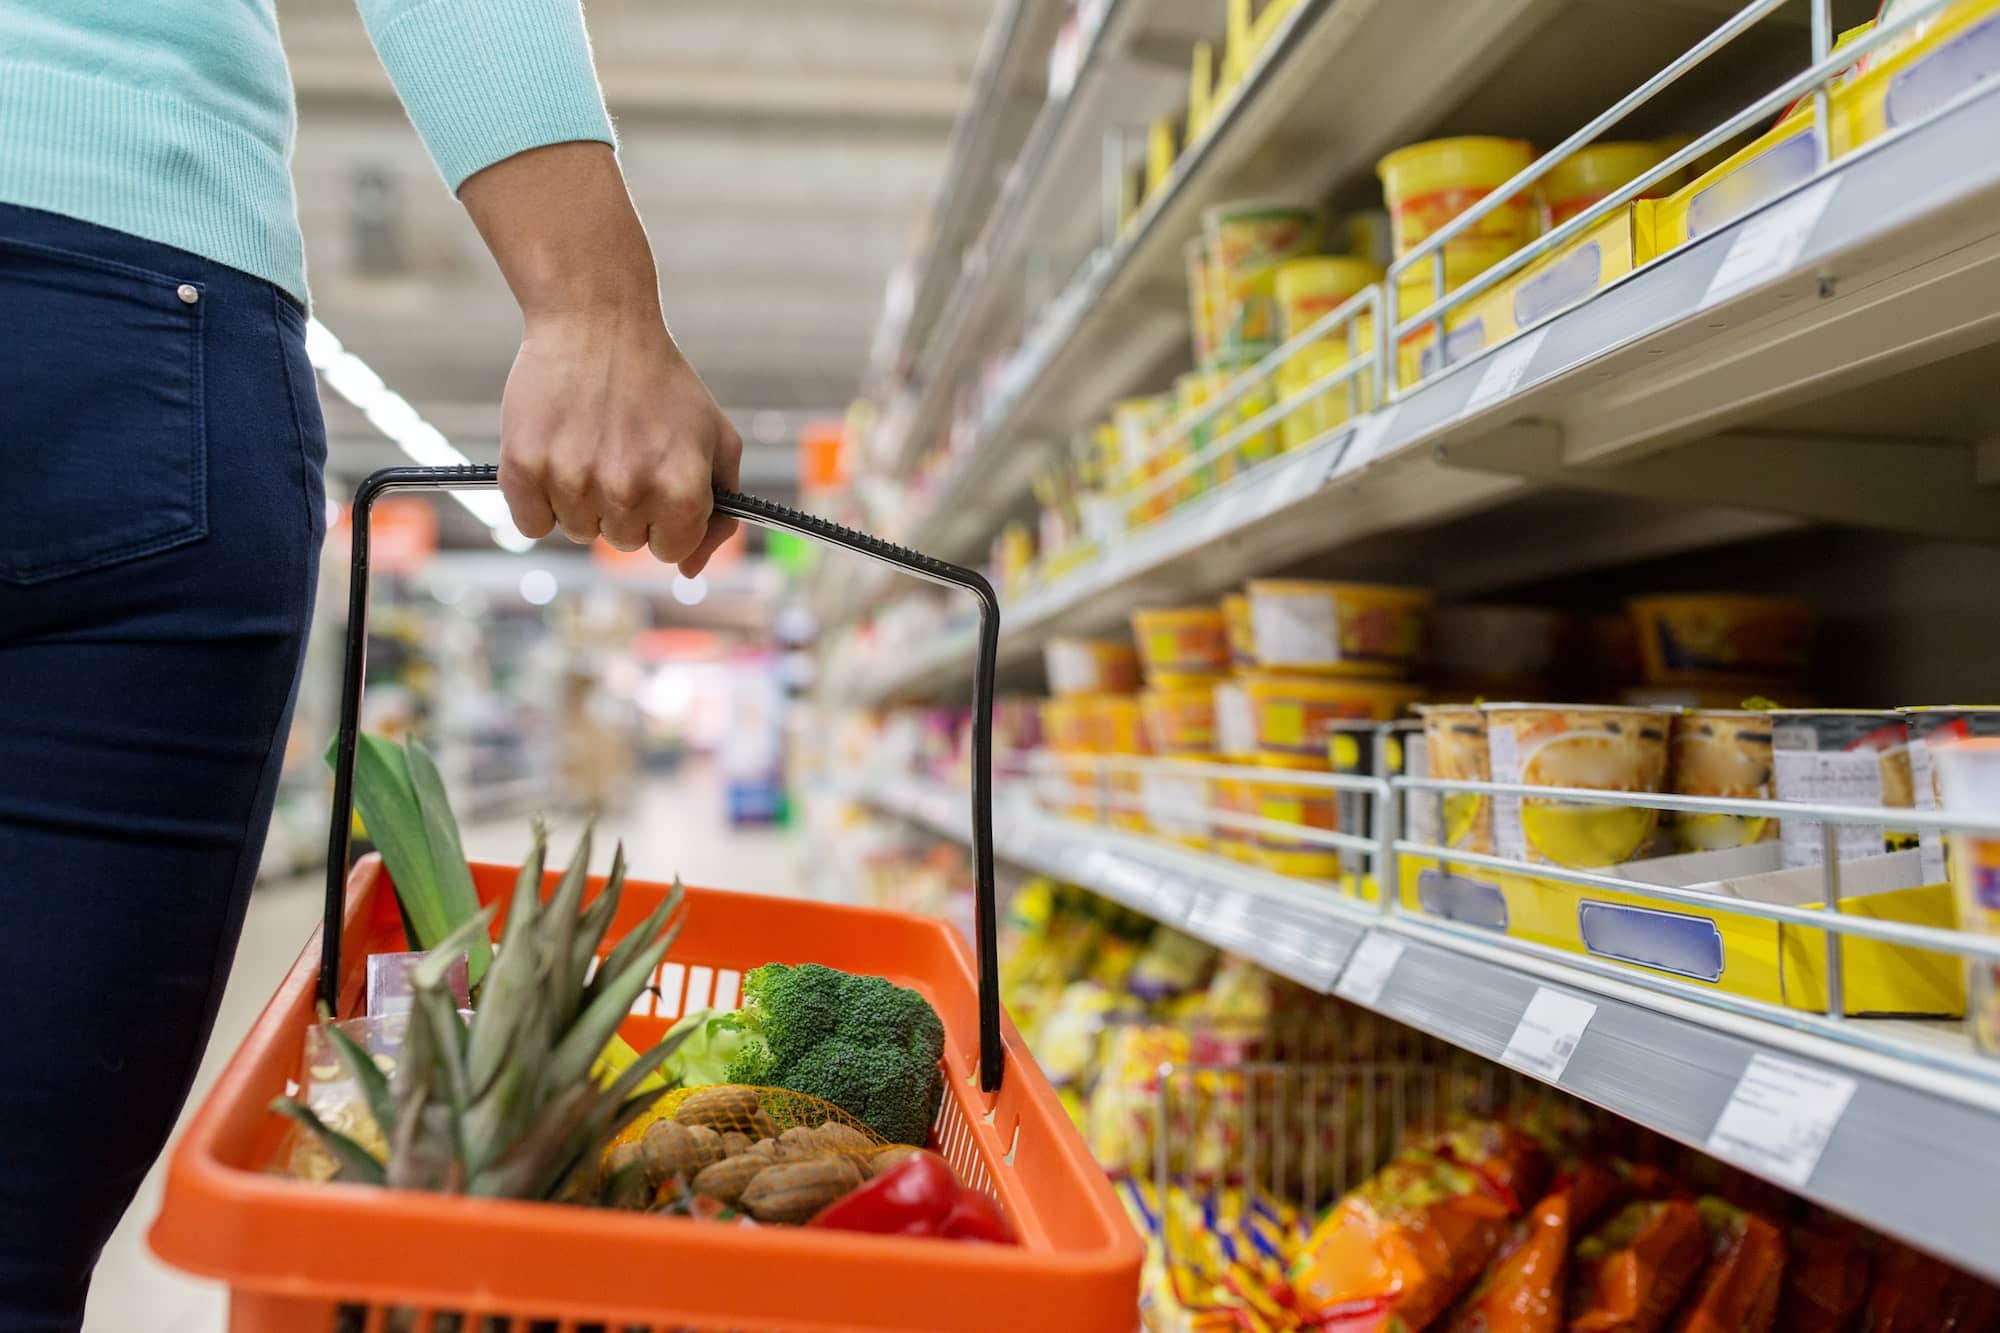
pixel 1780 1118
pixel 1370 968
pixel 1504 370
pixel 1548 1032
pixel 1367 441
pixel 1768 245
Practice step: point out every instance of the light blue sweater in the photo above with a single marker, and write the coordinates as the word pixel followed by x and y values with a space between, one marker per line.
pixel 173 119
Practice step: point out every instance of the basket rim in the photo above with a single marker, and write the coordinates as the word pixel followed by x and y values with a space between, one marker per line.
pixel 210 1203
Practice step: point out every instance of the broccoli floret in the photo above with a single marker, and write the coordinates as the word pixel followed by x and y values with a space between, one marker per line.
pixel 865 1044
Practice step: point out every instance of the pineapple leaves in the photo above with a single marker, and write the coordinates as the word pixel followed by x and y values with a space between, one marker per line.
pixel 355 1161
pixel 517 976
pixel 402 804
pixel 628 948
pixel 608 1005
pixel 453 876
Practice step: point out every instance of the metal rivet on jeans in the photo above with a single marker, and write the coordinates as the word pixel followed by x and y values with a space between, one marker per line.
pixel 186 291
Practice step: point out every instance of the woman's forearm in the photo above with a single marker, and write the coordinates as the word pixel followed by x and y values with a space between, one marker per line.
pixel 605 427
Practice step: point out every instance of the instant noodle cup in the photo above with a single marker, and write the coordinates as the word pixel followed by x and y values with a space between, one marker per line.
pixel 1724 753
pixel 1598 747
pixel 1339 629
pixel 1292 714
pixel 1931 729
pixel 1841 756
pixel 1327 408
pixel 1969 776
pixel 1312 807
pixel 1236 623
pixel 1716 638
pixel 1312 287
pixel 1184 641
pixel 1247 240
pixel 1455 751
pixel 1600 171
pixel 1201 301
pixel 1428 184
pixel 1090 666
pixel 1176 801
pixel 1179 721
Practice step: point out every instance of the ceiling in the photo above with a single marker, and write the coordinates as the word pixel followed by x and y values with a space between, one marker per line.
pixel 780 152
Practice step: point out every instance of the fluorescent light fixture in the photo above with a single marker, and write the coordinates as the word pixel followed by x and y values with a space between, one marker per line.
pixel 538 587
pixel 391 413
pixel 690 591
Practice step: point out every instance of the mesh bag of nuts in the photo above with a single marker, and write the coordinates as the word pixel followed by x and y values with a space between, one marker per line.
pixel 769 1153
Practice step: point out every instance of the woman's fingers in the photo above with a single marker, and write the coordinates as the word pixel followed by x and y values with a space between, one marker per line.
pixel 521 483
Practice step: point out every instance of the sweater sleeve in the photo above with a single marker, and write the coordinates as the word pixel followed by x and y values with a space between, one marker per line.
pixel 486 79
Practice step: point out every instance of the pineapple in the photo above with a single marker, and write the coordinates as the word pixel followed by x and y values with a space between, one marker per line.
pixel 504 1106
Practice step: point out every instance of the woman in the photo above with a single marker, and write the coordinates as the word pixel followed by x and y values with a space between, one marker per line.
pixel 161 508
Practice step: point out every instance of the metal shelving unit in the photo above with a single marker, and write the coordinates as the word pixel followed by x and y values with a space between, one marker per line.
pixel 1890 1121
pixel 1843 382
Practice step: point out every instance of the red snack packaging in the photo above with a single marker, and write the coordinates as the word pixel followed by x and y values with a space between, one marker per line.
pixel 1628 1276
pixel 1521 1291
pixel 1738 1291
pixel 1826 1275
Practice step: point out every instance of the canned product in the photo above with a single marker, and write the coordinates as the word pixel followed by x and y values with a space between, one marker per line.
pixel 1247 241
pixel 1841 756
pixel 1454 738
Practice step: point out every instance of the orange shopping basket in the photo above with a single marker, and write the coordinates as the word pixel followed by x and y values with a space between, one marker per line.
pixel 347 1258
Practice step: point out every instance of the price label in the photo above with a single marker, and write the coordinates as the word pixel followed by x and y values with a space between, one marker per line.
pixel 1768 245
pixel 1780 1118
pixel 1369 970
pixel 1504 371
pixel 1366 441
pixel 1548 1032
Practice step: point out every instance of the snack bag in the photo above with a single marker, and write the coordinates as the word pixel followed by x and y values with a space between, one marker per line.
pixel 1738 1291
pixel 1521 1291
pixel 1826 1275
pixel 1628 1276
pixel 1397 1251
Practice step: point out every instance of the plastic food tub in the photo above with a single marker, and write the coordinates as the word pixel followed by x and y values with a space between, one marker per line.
pixel 1594 173
pixel 1719 638
pixel 1846 756
pixel 1236 623
pixel 1602 748
pixel 1455 751
pixel 1721 752
pixel 1182 641
pixel 1292 715
pixel 1090 666
pixel 1428 184
pixel 1295 803
pixel 1309 289
pixel 1180 720
pixel 1339 629
pixel 1932 728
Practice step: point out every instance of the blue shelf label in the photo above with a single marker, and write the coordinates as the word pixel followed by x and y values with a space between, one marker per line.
pixel 1688 946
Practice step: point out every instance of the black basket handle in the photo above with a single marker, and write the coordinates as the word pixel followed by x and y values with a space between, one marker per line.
pixel 992 1056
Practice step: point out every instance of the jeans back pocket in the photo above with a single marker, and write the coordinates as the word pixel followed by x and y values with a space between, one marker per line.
pixel 102 438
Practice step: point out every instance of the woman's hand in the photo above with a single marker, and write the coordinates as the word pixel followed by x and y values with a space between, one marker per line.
pixel 605 429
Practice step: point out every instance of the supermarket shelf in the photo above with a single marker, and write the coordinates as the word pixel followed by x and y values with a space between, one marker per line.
pixel 1119 82
pixel 1850 385
pixel 1385 73
pixel 1914 1151
pixel 1008 78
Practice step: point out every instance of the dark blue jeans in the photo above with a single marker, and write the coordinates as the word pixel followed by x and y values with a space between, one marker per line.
pixel 161 513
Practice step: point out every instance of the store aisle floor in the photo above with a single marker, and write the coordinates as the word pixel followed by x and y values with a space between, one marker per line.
pixel 674 825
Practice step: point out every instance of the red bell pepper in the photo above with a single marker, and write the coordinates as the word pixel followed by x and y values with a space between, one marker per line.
pixel 911 1198
pixel 973 1216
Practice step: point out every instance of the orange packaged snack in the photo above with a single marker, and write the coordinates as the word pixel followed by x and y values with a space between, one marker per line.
pixel 1521 1291
pixel 1826 1275
pixel 1738 1291
pixel 1394 1253
pixel 1628 1276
